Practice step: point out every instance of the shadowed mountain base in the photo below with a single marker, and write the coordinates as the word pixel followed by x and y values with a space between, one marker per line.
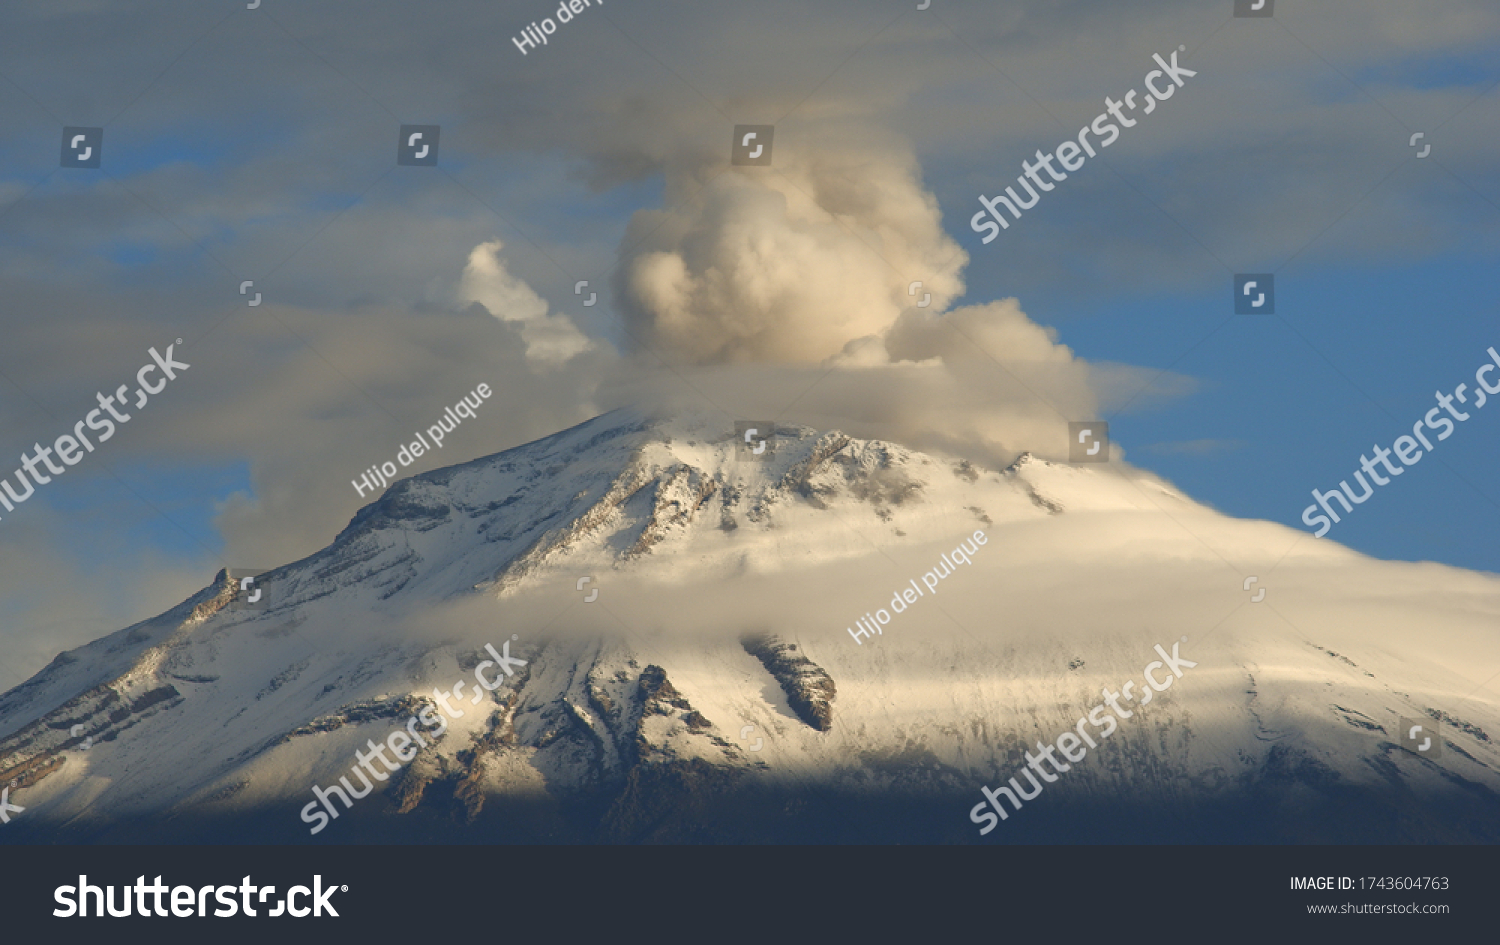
pixel 694 802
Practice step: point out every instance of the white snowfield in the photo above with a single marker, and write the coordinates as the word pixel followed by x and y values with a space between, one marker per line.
pixel 211 712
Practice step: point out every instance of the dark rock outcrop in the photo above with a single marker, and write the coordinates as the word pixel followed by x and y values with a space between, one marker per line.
pixel 809 689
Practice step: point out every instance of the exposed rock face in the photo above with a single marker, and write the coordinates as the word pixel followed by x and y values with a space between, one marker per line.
pixel 658 697
pixel 612 726
pixel 464 773
pixel 397 707
pixel 409 785
pixel 657 692
pixel 680 493
pixel 809 690
pixel 102 713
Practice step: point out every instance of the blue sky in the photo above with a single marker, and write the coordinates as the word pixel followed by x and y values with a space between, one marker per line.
pixel 1289 421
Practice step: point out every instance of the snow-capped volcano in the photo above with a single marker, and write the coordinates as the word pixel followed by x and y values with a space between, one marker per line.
pixel 695 670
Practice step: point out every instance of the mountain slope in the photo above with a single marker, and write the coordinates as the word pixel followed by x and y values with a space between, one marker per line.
pixel 710 689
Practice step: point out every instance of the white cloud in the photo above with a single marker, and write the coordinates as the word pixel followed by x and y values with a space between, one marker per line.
pixel 550 339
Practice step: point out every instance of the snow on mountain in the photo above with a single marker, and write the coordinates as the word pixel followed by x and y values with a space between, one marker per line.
pixel 710 689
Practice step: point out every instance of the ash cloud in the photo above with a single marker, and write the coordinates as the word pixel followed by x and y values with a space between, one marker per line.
pixel 786 264
pixel 786 292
